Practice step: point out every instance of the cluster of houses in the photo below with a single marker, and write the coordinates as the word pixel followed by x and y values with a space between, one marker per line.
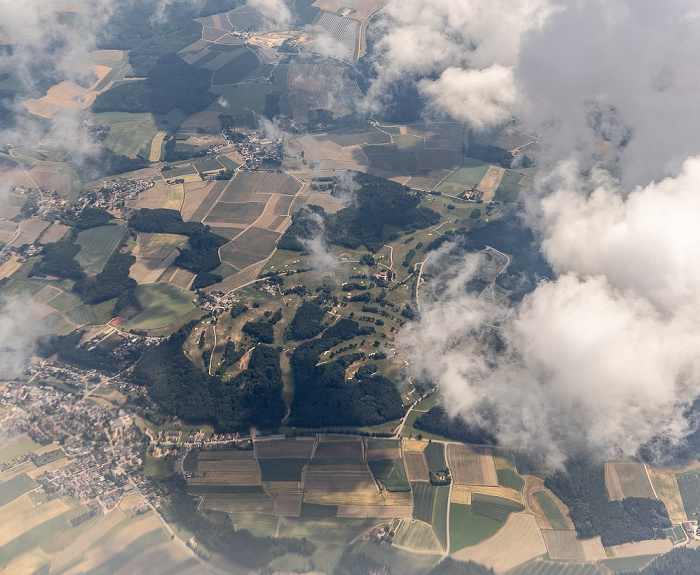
pixel 43 204
pixel 257 150
pixel 218 302
pixel 110 196
pixel 21 253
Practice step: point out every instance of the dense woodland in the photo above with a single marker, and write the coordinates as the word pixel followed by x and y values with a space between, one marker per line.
pixel 306 322
pixel 378 203
pixel 68 349
pixel 680 560
pixel 323 397
pixel 58 260
pixel 436 420
pixel 582 489
pixel 104 163
pixel 253 397
pixel 218 535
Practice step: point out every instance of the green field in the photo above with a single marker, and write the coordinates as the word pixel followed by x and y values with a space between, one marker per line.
pixel 49 457
pixel 435 456
pixel 117 561
pixel 442 503
pixel 689 486
pixel 628 564
pixel 237 69
pixel 470 174
pixel 64 301
pixel 244 101
pixel 9 453
pixel 131 135
pixel 467 529
pixel 675 534
pixel 551 511
pixel 509 478
pixel 155 467
pixel 316 510
pixel 392 473
pixel 405 142
pixel 423 501
pixel 97 314
pixel 162 303
pixel 96 245
pixel 494 508
pixel 537 567
pixel 15 487
pixel 416 535
pixel 281 469
pixel 224 489
pixel 509 189
pixel 259 525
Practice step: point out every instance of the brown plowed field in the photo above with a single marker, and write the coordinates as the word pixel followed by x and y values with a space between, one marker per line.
pixel 471 465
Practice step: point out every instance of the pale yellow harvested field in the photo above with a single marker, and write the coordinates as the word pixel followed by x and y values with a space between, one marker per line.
pixel 499 491
pixel 177 196
pixel 362 8
pixel 384 511
pixel 413 445
pixel 158 246
pixel 165 558
pixel 40 108
pixel 503 460
pixel 152 198
pixel 490 182
pixel 48 467
pixel 627 480
pixel 240 503
pixel 100 71
pixel 416 466
pixel 461 494
pixel 9 267
pixel 46 294
pixel 527 181
pixel 518 541
pixel 281 486
pixel 471 465
pixel 288 504
pixel 146 270
pixel 131 531
pixel 88 538
pixel 593 549
pixel 22 514
pixel 54 233
pixel 179 277
pixel 115 55
pixel 294 448
pixel 156 146
pixel 29 562
pixel 666 487
pixel 343 498
pixel 642 548
pixel 563 545
pixel 194 198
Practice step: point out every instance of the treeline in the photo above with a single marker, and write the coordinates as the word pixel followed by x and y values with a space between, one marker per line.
pixel 436 420
pixel 379 203
pixel 238 545
pixel 112 282
pixel 306 322
pixel 202 255
pixel 582 489
pixel 253 397
pixel 171 84
pixel 449 566
pixel 486 152
pixel 323 396
pixel 58 260
pixel 93 218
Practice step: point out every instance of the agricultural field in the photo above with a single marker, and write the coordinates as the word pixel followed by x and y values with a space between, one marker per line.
pixel 287 469
pixel 16 446
pixel 517 542
pixel 627 480
pixel 666 487
pixel 376 449
pixel 539 567
pixel 16 487
pixel 96 245
pixel 435 456
pixel 655 546
pixel 471 465
pixel 550 510
pixel 288 504
pixel 29 231
pixel 417 536
pixel 423 501
pixel 494 508
pixel 163 304
pixel 343 478
pixel 336 37
pixel 398 560
pixel 361 9
pixel 239 468
pixel 467 528
pixel 378 511
pixel 627 564
pixel 689 487
pixel 440 510
pixel 294 447
pixel 564 546
pixel 132 136
pixel 177 196
pixel 509 478
pixel 391 473
pixel 240 502
pixel 314 87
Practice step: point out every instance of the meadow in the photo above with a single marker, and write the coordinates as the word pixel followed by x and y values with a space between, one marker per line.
pixel 423 501
pixel 551 511
pixel 689 486
pixel 467 528
pixel 163 304
pixel 96 245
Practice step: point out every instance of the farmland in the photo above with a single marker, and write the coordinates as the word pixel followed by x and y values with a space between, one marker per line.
pixel 96 245
pixel 550 510
pixel 509 478
pixel 18 445
pixel 627 480
pixel 391 473
pixel 471 465
pixel 538 567
pixel 239 468
pixel 494 508
pixel 423 501
pixel 339 478
pixel 416 467
pixel 563 546
pixel 319 87
pixel 163 304
pixel 689 487
pixel 281 469
pixel 301 448
pixel 15 487
pixel 435 457
pixel 337 37
pixel 666 487
pixel 440 508
pixel 467 529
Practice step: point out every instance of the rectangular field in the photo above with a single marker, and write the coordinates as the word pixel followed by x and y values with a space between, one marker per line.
pixel 435 456
pixel 288 504
pixel 16 487
pixel 495 508
pixel 666 487
pixel 96 245
pixel 416 467
pixel 281 469
pixel 240 503
pixel 288 448
pixel 689 486
pixel 418 536
pixel 164 311
pixel 563 545
pixel 227 468
pixel 391 473
pixel 627 480
pixel 471 465
pixel 367 511
pixel 423 501
pixel 339 478
pixel 339 449
pixel 467 529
